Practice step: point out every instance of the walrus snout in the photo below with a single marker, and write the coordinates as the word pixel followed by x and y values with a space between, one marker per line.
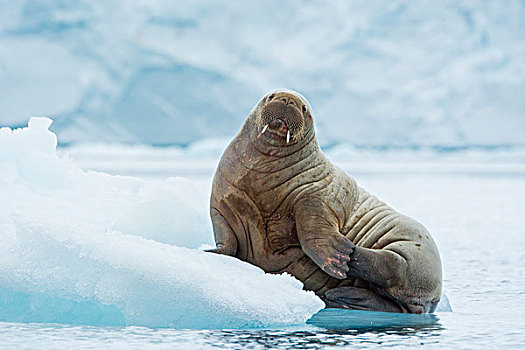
pixel 278 124
pixel 282 118
pixel 287 100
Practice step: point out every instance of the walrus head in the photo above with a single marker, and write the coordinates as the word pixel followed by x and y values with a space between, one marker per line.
pixel 282 117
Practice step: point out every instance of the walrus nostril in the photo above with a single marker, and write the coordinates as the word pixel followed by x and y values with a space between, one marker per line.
pixel 284 100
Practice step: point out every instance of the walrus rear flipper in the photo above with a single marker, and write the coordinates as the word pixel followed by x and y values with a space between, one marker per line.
pixel 359 299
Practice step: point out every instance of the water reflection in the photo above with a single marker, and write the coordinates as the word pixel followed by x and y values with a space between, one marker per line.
pixel 369 320
pixel 337 328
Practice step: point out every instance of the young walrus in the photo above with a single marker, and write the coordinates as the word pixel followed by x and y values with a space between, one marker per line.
pixel 278 203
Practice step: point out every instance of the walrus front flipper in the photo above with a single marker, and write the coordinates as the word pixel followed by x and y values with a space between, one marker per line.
pixel 318 233
pixel 359 299
pixel 224 236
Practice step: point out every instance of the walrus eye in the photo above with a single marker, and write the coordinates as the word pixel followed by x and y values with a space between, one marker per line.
pixel 271 97
pixel 304 109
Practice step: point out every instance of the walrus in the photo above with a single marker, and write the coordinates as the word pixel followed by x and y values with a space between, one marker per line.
pixel 278 203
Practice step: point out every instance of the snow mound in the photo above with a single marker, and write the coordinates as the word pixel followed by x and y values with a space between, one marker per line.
pixel 89 248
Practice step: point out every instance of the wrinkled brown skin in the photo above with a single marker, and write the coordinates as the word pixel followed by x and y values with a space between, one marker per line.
pixel 285 208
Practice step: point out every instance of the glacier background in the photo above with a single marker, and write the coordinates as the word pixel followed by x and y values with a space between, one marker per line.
pixel 381 74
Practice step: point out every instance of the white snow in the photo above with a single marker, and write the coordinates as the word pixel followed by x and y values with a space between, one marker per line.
pixel 87 247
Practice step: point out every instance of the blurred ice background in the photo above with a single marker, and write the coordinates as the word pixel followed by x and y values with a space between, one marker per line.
pixel 378 73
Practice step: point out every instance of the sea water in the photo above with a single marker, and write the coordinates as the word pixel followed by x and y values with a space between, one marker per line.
pixel 471 203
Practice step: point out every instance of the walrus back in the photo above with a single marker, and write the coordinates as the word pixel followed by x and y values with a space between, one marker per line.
pixel 376 225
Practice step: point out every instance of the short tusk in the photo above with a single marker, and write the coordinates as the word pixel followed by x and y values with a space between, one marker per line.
pixel 264 129
pixel 288 136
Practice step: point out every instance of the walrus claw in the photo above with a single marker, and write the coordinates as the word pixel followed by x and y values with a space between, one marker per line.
pixel 220 249
pixel 332 254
